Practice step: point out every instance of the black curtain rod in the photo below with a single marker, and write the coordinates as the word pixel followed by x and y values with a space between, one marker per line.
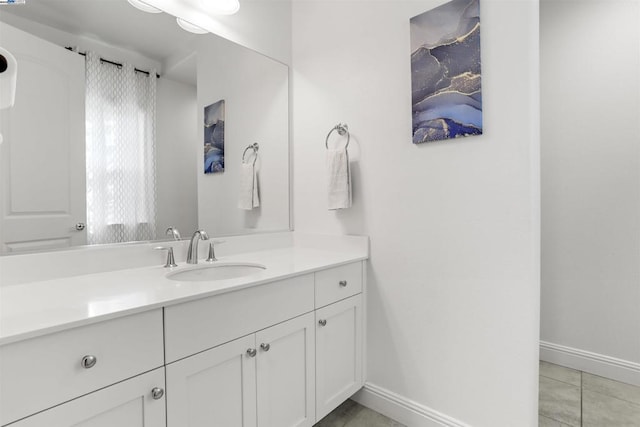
pixel 117 64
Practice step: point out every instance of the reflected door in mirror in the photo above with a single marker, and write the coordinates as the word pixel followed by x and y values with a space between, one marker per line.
pixel 42 156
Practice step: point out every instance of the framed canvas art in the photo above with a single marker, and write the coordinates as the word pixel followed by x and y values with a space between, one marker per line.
pixel 446 84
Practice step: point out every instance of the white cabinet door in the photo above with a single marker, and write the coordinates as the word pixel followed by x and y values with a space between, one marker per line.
pixel 338 353
pixel 127 404
pixel 214 388
pixel 42 158
pixel 285 374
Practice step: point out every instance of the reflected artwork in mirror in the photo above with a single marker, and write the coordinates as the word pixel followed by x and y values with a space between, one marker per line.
pixel 214 137
pixel 45 178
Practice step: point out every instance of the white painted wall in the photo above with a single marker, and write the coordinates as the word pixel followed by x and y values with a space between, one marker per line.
pixel 453 303
pixel 176 136
pixel 255 90
pixel 591 181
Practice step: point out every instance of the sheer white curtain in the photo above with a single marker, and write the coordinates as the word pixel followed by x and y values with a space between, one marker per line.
pixel 121 176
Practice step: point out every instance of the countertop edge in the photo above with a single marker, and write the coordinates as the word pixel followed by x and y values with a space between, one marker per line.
pixel 46 330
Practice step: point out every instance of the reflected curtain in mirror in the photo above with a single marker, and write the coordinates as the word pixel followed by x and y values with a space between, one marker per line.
pixel 121 181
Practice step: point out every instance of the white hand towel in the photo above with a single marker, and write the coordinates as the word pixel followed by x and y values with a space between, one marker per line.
pixel 339 179
pixel 248 197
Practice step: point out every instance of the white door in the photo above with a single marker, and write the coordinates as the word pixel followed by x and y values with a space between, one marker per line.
pixel 338 353
pixel 214 388
pixel 286 379
pixel 42 158
pixel 129 404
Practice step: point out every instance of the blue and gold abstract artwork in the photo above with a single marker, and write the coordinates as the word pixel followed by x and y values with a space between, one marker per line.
pixel 214 137
pixel 445 72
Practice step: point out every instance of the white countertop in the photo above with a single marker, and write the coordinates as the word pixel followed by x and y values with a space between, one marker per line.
pixel 32 309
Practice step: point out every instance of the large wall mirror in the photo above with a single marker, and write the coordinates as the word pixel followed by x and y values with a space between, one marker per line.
pixel 49 178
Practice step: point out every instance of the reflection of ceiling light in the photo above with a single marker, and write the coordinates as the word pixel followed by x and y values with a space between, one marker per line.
pixel 220 7
pixel 139 4
pixel 188 26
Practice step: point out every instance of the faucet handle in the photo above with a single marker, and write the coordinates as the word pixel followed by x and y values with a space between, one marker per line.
pixel 172 231
pixel 171 262
pixel 203 234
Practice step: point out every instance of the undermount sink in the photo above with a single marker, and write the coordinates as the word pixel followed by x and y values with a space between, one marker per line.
pixel 210 272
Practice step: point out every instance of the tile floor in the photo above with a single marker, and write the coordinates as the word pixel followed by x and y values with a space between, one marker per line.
pixel 352 414
pixel 573 398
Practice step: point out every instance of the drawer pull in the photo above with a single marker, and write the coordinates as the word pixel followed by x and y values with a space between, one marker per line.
pixel 322 322
pixel 157 393
pixel 251 352
pixel 265 347
pixel 343 283
pixel 89 361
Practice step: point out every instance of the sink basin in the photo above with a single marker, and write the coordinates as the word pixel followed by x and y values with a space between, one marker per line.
pixel 211 272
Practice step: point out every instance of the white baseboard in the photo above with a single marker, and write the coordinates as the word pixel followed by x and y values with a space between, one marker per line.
pixel 593 363
pixel 403 410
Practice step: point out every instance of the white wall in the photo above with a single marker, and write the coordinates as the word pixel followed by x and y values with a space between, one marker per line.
pixel 591 185
pixel 176 137
pixel 453 277
pixel 255 90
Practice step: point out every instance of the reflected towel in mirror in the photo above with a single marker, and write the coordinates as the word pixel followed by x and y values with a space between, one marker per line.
pixel 248 197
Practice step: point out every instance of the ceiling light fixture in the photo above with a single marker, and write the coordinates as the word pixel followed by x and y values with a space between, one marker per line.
pixel 188 26
pixel 220 7
pixel 139 4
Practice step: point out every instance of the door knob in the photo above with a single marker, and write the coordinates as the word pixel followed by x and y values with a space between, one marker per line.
pixel 80 226
pixel 322 322
pixel 251 352
pixel 265 347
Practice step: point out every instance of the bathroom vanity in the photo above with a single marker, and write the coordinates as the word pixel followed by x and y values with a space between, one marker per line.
pixel 279 347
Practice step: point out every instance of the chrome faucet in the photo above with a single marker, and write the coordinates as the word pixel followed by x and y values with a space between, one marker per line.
pixel 192 254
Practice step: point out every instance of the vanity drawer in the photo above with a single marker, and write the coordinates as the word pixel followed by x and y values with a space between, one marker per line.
pixel 202 324
pixel 338 283
pixel 42 372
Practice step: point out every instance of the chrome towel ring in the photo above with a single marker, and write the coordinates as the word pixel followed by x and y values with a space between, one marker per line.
pixel 255 147
pixel 342 129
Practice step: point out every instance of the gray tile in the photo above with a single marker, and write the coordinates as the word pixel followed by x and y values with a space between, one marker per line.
pixel 352 414
pixel 339 416
pixel 599 410
pixel 560 401
pixel 369 418
pixel 560 373
pixel 548 422
pixel 611 388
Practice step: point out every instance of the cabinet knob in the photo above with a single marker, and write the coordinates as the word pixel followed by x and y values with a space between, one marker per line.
pixel 265 347
pixel 251 352
pixel 157 393
pixel 343 283
pixel 322 322
pixel 89 361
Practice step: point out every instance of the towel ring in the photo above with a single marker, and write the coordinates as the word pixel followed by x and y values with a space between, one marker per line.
pixel 255 147
pixel 342 128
